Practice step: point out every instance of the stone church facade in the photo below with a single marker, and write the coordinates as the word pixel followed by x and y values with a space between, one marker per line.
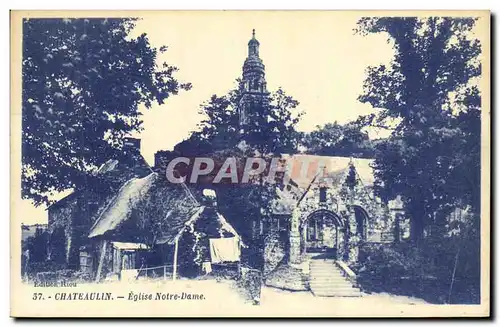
pixel 333 211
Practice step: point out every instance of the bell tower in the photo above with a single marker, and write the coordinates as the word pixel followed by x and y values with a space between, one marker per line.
pixel 254 86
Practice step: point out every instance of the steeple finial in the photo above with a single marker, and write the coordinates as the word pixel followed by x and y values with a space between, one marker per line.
pixel 253 33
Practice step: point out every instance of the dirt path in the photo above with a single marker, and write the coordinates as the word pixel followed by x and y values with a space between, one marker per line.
pixel 271 295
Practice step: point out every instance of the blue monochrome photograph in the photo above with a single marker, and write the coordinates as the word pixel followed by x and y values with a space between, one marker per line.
pixel 250 164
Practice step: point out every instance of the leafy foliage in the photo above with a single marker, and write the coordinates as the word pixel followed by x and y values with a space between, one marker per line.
pixel 83 82
pixel 429 101
pixel 271 125
pixel 334 139
pixel 37 246
pixel 271 129
pixel 427 271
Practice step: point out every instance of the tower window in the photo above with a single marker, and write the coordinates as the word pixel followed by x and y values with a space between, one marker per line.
pixel 322 194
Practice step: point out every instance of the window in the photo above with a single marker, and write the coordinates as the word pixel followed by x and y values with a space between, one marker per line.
pixel 322 194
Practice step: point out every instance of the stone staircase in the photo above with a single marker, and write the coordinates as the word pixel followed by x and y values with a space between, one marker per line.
pixel 326 279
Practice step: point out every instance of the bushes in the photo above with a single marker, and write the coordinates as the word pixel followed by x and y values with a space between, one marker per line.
pixel 274 252
pixel 393 269
pixel 34 268
pixel 251 283
pixel 424 272
pixel 53 272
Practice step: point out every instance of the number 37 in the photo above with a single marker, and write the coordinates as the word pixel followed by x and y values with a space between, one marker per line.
pixel 37 296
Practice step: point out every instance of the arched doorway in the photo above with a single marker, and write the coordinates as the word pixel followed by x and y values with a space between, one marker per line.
pixel 322 233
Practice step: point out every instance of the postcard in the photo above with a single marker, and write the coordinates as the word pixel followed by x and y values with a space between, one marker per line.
pixel 250 164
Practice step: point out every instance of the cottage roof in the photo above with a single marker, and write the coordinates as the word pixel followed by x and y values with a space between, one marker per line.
pixel 118 209
pixel 173 208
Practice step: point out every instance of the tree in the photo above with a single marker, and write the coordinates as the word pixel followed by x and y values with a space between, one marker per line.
pixel 272 125
pixel 271 130
pixel 432 156
pixel 244 206
pixel 334 139
pixel 83 82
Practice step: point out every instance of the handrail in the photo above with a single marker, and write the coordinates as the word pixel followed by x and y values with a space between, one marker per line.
pixel 347 271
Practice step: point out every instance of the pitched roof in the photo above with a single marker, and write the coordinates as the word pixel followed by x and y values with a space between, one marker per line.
pixel 334 168
pixel 173 205
pixel 334 174
pixel 118 209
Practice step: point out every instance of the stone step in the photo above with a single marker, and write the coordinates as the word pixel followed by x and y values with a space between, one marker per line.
pixel 325 272
pixel 331 287
pixel 330 270
pixel 329 281
pixel 336 293
pixel 332 282
pixel 323 284
pixel 313 285
pixel 322 272
pixel 317 264
pixel 324 267
pixel 327 277
pixel 348 294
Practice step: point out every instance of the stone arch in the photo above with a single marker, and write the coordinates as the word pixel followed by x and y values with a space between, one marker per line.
pixel 322 230
pixel 339 221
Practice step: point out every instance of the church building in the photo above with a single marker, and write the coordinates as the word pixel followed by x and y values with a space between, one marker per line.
pixel 329 210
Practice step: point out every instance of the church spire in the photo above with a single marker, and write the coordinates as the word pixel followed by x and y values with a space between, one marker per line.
pixel 253 68
pixel 254 82
pixel 253 46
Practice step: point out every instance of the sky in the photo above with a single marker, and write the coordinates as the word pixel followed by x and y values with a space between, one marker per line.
pixel 313 56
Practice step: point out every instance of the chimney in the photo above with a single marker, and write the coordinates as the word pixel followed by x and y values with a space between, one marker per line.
pixel 131 143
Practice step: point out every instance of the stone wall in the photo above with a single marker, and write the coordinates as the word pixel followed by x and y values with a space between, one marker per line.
pixel 75 216
pixel 344 192
pixel 60 226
